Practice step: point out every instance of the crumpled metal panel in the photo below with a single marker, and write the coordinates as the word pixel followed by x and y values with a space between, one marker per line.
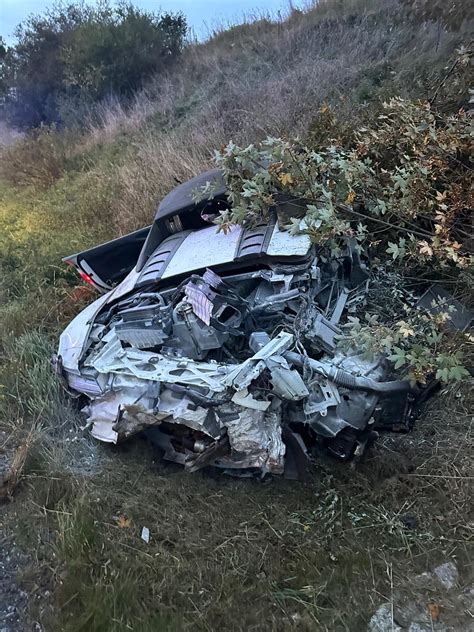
pixel 113 358
pixel 255 438
pixel 104 411
pixel 244 373
pixel 184 412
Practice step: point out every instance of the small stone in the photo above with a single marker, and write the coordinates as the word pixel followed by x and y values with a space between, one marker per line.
pixel 416 627
pixel 382 620
pixel 447 574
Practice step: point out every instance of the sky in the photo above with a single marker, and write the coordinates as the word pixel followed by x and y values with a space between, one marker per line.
pixel 202 15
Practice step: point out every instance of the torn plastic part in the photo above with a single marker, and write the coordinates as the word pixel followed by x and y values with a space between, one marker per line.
pixel 324 333
pixel 244 398
pixel 75 338
pixel 200 301
pixel 354 410
pixel 213 279
pixel 436 300
pixel 324 394
pixel 339 308
pixel 88 385
pixel 297 459
pixel 257 340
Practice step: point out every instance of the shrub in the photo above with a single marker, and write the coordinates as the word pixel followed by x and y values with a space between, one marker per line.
pixel 89 51
pixel 407 178
pixel 401 189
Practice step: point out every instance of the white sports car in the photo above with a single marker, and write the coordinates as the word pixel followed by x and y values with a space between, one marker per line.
pixel 223 347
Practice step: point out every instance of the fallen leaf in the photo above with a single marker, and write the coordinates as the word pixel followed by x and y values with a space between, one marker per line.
pixel 425 248
pixel 123 523
pixel 286 178
pixel 434 610
pixel 350 197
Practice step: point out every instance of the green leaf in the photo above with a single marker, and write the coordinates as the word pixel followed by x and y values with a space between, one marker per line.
pixel 398 358
pixel 457 373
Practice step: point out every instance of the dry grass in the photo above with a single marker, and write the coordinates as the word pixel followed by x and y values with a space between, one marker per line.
pixel 272 76
pixel 268 78
pixel 160 162
pixel 8 135
pixel 38 159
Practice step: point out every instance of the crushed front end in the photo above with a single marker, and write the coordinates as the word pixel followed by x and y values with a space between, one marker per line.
pixel 235 366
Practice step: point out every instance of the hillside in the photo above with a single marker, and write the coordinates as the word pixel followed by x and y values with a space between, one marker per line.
pixel 224 554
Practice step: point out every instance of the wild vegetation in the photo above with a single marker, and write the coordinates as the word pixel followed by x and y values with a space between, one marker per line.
pixel 402 188
pixel 242 554
pixel 76 54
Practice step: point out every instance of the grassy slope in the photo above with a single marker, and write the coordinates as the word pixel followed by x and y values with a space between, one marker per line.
pixel 223 554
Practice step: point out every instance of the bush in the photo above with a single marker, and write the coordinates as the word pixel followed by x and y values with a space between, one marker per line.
pixel 401 189
pixel 88 51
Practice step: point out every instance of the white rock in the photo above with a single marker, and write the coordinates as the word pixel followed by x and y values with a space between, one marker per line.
pixel 382 620
pixel 447 574
pixel 416 627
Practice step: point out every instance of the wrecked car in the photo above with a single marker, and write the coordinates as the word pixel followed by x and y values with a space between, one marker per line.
pixel 222 347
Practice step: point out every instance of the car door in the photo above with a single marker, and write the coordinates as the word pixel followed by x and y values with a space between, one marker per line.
pixel 106 265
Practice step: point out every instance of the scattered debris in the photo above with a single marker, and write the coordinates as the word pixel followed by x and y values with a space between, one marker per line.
pixel 430 602
pixel 145 534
